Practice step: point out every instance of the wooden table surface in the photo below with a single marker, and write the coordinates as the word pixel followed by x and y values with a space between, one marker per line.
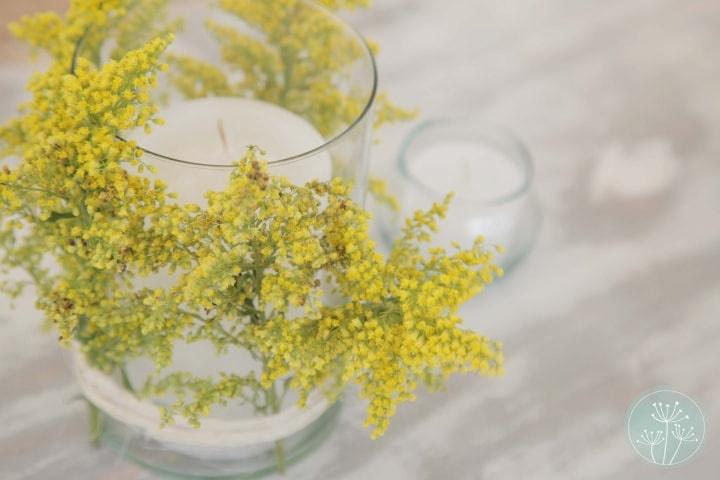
pixel 619 103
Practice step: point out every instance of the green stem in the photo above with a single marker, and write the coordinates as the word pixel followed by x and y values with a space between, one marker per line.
pixel 31 189
pixel 287 78
pixel 95 420
pixel 76 52
pixel 280 456
pixel 126 380
pixel 288 58
pixel 213 322
pixel 275 403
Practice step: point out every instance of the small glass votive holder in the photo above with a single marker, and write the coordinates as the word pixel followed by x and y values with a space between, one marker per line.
pixel 490 173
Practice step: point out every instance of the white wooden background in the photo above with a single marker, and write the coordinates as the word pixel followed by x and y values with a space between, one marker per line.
pixel 619 101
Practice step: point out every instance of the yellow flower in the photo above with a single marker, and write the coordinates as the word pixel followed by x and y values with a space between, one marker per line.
pixel 287 272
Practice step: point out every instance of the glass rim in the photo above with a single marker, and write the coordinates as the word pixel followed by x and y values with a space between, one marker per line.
pixel 522 156
pixel 327 143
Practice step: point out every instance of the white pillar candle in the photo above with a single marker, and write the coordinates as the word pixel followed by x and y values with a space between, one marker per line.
pixel 217 131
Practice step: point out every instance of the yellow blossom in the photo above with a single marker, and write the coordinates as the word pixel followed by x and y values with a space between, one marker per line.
pixel 287 272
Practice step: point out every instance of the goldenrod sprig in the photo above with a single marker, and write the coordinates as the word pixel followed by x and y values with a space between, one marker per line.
pixel 286 272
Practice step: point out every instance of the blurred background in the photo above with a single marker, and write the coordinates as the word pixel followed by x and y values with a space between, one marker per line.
pixel 619 103
pixel 10 10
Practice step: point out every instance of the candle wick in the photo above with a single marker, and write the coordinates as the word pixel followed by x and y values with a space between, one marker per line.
pixel 221 132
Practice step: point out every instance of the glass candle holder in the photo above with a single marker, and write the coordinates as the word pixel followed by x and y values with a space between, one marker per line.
pixel 297 82
pixel 490 173
pixel 303 93
pixel 228 446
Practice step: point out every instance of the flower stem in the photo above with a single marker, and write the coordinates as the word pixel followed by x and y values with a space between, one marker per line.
pixel 126 380
pixel 275 404
pixel 95 421
pixel 280 456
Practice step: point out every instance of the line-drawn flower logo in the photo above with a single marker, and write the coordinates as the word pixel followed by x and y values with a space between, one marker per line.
pixel 665 427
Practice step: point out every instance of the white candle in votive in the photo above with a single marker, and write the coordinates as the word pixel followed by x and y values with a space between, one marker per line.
pixel 474 171
pixel 484 180
pixel 217 131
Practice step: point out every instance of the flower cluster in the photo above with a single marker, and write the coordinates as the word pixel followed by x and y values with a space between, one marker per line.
pixel 284 59
pixel 287 272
